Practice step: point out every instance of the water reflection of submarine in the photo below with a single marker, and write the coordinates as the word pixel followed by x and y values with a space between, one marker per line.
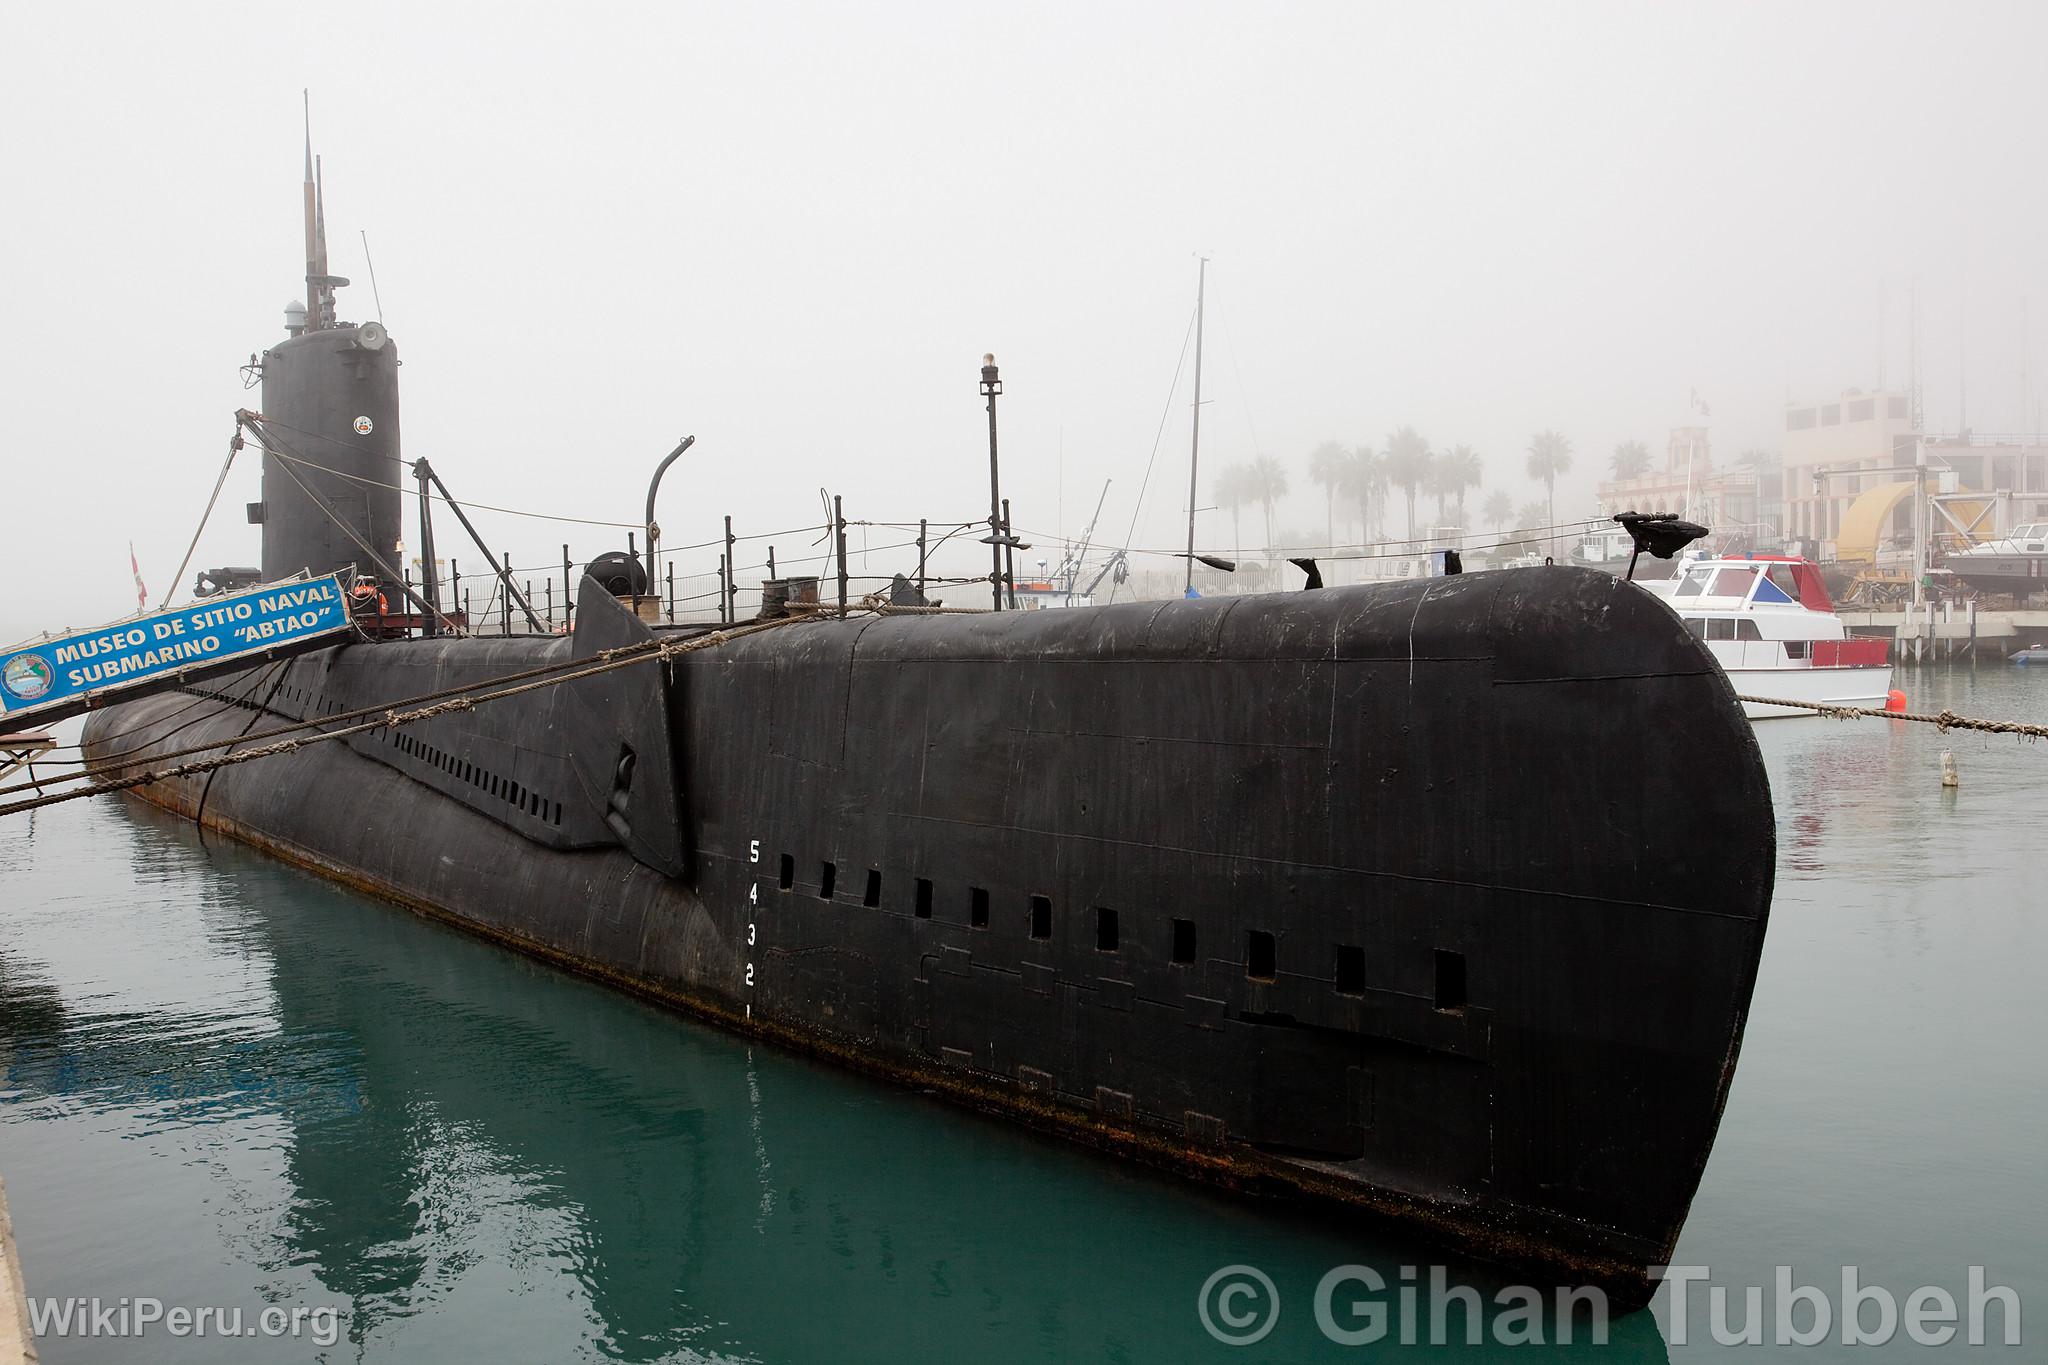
pixel 703 1179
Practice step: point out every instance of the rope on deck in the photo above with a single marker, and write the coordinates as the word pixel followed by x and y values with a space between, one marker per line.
pixel 1945 721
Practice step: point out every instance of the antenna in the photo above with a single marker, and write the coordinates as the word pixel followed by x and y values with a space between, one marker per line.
pixel 1913 353
pixel 320 285
pixel 1882 296
pixel 374 292
pixel 1195 434
pixel 326 318
pixel 312 246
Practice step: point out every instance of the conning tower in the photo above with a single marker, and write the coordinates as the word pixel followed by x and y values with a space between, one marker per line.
pixel 330 397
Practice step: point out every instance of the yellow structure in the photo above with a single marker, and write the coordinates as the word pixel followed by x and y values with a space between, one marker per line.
pixel 1868 523
pixel 1882 518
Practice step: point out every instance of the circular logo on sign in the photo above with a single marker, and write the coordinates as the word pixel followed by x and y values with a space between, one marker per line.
pixel 27 676
pixel 363 426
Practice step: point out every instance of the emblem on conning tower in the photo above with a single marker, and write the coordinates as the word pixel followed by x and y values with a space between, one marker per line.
pixel 27 676
pixel 364 426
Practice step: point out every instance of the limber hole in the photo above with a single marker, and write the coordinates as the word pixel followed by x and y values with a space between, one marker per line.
pixel 1450 980
pixel 786 874
pixel 977 907
pixel 1350 969
pixel 924 898
pixel 1183 942
pixel 1259 955
pixel 1041 917
pixel 1105 929
pixel 827 874
pixel 872 896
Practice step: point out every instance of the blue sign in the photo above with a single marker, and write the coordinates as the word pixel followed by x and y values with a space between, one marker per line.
pixel 70 668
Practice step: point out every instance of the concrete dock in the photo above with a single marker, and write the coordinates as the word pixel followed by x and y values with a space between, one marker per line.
pixel 17 1344
pixel 1938 632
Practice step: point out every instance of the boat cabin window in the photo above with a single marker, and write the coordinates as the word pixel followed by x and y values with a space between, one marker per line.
pixel 1733 582
pixel 1720 628
pixel 1697 625
pixel 1694 581
pixel 1778 586
pixel 1745 629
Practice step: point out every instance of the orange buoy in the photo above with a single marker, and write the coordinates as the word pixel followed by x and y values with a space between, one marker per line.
pixel 1895 700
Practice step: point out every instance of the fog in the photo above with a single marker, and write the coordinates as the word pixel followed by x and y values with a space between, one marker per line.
pixel 792 231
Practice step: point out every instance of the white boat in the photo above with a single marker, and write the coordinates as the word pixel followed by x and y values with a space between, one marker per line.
pixel 1607 550
pixel 2016 564
pixel 1770 624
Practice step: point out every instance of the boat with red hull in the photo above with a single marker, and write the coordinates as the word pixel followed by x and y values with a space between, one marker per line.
pixel 1770 624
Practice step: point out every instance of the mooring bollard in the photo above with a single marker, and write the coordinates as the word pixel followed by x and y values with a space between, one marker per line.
pixel 1948 769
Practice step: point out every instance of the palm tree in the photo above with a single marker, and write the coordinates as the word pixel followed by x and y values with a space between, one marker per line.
pixel 1408 467
pixel 1232 490
pixel 1366 479
pixel 1441 485
pixel 1499 509
pixel 1267 483
pixel 1549 456
pixel 1329 464
pixel 1458 469
pixel 1528 519
pixel 1631 460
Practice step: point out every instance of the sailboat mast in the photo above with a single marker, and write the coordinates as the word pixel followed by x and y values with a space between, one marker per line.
pixel 1195 440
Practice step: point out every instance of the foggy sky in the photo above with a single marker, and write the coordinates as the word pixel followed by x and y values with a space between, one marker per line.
pixel 793 230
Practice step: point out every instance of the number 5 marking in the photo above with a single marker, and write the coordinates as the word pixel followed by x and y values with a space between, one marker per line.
pixel 754 851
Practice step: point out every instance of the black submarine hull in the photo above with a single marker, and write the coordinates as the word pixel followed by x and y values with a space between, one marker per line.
pixel 1442 899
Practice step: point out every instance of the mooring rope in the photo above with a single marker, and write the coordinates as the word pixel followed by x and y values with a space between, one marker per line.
pixel 1945 721
pixel 314 722
pixel 622 653
pixel 880 608
pixel 452 700
pixel 390 715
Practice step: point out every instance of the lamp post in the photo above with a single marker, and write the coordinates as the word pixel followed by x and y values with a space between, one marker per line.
pixel 992 385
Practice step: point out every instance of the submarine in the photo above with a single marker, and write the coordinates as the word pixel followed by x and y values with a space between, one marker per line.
pixel 1437 902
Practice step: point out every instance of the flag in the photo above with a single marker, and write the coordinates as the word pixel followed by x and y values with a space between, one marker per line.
pixel 141 593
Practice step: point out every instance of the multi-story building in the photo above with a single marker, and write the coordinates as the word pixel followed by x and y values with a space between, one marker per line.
pixel 1874 432
pixel 1725 500
pixel 1856 430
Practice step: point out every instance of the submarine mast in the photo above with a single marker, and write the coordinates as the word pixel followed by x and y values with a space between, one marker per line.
pixel 330 404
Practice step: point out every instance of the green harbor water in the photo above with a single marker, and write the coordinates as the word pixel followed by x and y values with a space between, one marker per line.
pixel 226 1082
